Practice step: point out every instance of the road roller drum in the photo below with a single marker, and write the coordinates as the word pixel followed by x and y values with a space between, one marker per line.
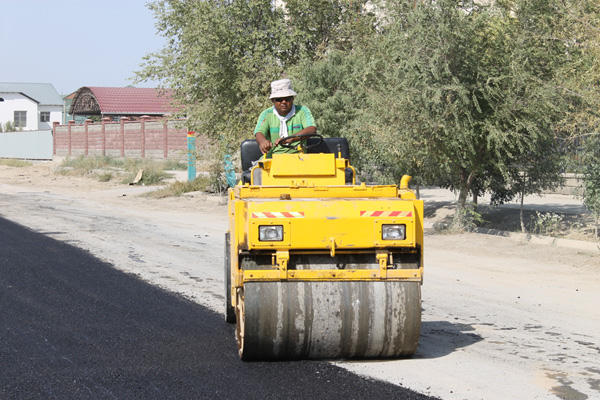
pixel 327 320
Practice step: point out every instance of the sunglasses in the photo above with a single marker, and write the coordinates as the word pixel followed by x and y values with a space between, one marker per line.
pixel 280 99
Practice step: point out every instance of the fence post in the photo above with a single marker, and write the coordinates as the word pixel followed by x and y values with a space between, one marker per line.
pixel 71 123
pixel 144 118
pixel 54 125
pixel 123 120
pixel 86 123
pixel 105 120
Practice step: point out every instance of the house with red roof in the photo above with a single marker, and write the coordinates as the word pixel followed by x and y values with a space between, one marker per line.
pixel 117 102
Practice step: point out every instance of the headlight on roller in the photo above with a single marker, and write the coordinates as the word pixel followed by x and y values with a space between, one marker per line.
pixel 393 232
pixel 270 233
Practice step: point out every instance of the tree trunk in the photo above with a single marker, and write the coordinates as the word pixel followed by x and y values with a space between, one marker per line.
pixel 521 213
pixel 466 183
pixel 459 217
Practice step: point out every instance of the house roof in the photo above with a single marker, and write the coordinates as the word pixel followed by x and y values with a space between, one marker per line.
pixel 43 93
pixel 127 100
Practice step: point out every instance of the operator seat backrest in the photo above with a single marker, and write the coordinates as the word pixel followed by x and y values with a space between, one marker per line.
pixel 331 145
pixel 249 152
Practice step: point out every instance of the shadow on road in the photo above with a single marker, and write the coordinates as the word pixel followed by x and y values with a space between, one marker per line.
pixel 440 338
pixel 432 207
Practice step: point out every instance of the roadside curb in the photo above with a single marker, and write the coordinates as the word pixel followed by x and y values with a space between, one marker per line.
pixel 544 240
pixel 534 239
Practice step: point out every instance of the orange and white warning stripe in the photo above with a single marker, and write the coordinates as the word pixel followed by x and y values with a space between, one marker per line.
pixel 283 214
pixel 386 213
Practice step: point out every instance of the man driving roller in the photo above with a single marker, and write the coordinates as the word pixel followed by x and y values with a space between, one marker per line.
pixel 283 119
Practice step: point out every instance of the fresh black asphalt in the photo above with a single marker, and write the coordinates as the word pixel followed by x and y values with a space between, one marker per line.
pixel 74 327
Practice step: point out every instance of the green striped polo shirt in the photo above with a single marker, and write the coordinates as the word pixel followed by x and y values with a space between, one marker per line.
pixel 268 125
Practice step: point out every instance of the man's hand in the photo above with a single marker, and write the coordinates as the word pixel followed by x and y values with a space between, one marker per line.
pixel 264 144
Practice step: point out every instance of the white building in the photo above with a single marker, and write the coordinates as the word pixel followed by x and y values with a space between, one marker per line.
pixel 30 106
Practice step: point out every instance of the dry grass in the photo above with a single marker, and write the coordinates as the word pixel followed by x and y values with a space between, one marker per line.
pixel 106 169
pixel 11 162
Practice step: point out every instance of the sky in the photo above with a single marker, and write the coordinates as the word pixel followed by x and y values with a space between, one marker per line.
pixel 75 43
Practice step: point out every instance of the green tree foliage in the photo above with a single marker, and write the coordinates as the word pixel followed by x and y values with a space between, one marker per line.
pixel 219 57
pixel 579 31
pixel 317 26
pixel 464 95
pixel 331 87
pixel 590 160
pixel 480 97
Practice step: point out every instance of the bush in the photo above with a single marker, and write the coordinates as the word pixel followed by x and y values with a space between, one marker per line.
pixel 9 127
pixel 107 168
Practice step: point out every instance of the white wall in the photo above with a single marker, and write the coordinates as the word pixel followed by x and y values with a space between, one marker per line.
pixel 33 145
pixel 55 116
pixel 17 102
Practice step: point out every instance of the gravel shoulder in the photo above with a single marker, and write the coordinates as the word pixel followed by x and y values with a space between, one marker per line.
pixel 503 316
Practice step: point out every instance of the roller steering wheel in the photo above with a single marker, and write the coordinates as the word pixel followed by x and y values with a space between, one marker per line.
pixel 287 142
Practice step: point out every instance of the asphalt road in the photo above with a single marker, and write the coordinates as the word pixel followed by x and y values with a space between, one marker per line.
pixel 72 326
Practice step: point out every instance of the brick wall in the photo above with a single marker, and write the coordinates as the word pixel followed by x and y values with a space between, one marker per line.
pixel 132 139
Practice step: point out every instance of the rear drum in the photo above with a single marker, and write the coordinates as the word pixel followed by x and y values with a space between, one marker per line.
pixel 327 320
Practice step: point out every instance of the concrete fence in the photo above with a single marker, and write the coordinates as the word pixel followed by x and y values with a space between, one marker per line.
pixel 573 185
pixel 145 138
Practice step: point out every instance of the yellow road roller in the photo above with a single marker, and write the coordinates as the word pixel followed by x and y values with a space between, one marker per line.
pixel 318 266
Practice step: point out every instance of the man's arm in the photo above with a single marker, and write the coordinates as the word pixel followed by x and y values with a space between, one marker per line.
pixel 263 143
pixel 261 131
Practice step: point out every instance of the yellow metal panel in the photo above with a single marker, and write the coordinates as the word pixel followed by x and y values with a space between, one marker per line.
pixel 304 165
pixel 331 191
pixel 306 170
pixel 413 275
pixel 327 221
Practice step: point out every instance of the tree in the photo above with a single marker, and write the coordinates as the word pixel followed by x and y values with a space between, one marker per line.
pixel 469 90
pixel 219 57
pixel 318 26
pixel 579 29
pixel 591 176
pixel 471 97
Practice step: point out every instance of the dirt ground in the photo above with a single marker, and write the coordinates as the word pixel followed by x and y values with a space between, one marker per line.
pixel 504 316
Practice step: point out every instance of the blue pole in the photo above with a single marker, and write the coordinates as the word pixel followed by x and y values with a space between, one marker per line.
pixel 191 156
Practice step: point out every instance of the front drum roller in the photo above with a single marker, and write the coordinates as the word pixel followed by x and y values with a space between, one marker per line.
pixel 328 320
